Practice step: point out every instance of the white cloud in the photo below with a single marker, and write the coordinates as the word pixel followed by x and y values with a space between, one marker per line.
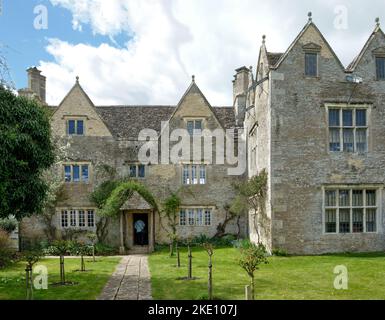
pixel 173 39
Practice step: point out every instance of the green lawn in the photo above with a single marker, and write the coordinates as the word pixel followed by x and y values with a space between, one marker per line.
pixel 90 283
pixel 291 278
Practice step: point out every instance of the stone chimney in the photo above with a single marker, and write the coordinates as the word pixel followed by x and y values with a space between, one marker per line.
pixel 240 87
pixel 36 85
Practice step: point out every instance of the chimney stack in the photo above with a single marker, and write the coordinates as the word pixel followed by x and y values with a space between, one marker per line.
pixel 240 87
pixel 36 85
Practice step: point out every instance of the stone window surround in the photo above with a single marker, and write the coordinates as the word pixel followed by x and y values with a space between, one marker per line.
pixel 59 212
pixel 379 188
pixel 203 119
pixel 369 107
pixel 80 163
pixel 76 118
pixel 195 208
pixel 128 164
pixel 311 48
pixel 198 172
pixel 378 53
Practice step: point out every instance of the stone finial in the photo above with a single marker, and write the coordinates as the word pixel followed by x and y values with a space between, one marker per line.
pixel 310 15
pixel 377 22
pixel 251 68
pixel 263 39
pixel 77 79
pixel 193 78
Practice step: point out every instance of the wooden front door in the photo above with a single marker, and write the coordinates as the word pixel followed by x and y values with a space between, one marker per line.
pixel 141 230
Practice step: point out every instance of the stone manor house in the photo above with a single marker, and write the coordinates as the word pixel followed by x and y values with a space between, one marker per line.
pixel 315 126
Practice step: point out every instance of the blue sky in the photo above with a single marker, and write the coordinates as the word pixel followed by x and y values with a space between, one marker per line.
pixel 145 51
pixel 25 46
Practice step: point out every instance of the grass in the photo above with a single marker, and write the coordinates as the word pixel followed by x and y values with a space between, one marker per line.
pixel 284 278
pixel 90 283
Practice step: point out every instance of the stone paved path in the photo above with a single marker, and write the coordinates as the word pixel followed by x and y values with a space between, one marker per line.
pixel 130 281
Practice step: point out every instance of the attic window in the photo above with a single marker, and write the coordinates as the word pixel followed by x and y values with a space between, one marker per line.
pixel 380 68
pixel 311 64
pixel 194 127
pixel 75 127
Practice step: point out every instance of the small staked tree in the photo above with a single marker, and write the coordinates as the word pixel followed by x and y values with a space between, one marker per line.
pixel 210 252
pixel 31 257
pixel 251 258
pixel 189 275
pixel 171 208
pixel 93 238
pixel 61 249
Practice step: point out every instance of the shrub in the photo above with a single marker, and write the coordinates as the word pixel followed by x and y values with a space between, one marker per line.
pixel 280 253
pixel 8 225
pixel 102 249
pixel 6 253
pixel 242 244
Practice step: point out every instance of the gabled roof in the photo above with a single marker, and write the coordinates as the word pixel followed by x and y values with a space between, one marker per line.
pixel 194 89
pixel 273 58
pixel 125 122
pixel 353 65
pixel 307 26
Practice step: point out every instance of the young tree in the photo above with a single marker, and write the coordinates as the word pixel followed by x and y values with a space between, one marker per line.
pixel 171 210
pixel 251 258
pixel 31 257
pixel 210 252
pixel 61 247
pixel 25 152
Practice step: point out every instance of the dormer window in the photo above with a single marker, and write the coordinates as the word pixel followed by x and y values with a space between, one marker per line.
pixel 194 127
pixel 311 64
pixel 75 127
pixel 380 68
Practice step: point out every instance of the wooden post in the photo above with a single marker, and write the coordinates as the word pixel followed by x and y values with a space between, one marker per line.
pixel 29 282
pixel 177 255
pixel 189 262
pixel 83 265
pixel 210 280
pixel 62 271
pixel 121 249
pixel 248 293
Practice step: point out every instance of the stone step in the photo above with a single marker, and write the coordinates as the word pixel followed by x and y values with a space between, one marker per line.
pixel 139 250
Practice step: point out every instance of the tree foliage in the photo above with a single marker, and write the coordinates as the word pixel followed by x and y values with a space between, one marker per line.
pixel 25 152
pixel 121 194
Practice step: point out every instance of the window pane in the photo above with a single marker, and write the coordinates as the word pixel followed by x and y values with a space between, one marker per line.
pixel 344 221
pixel 82 219
pixel 344 198
pixel 199 217
pixel 182 218
pixel 334 118
pixel 191 218
pixel 371 220
pixel 361 140
pixel 80 127
pixel 91 218
pixel 371 198
pixel 358 198
pixel 71 127
pixel 141 170
pixel 361 118
pixel 85 173
pixel 347 118
pixel 186 175
pixel 73 218
pixel 358 220
pixel 194 176
pixel 133 171
pixel 64 219
pixel 207 217
pixel 202 177
pixel 335 140
pixel 67 173
pixel 190 127
pixel 331 198
pixel 380 66
pixel 348 140
pixel 76 173
pixel 198 127
pixel 311 64
pixel 331 221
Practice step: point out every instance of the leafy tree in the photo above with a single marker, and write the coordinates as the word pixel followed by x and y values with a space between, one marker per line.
pixel 251 258
pixel 26 151
pixel 252 195
pixel 171 208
